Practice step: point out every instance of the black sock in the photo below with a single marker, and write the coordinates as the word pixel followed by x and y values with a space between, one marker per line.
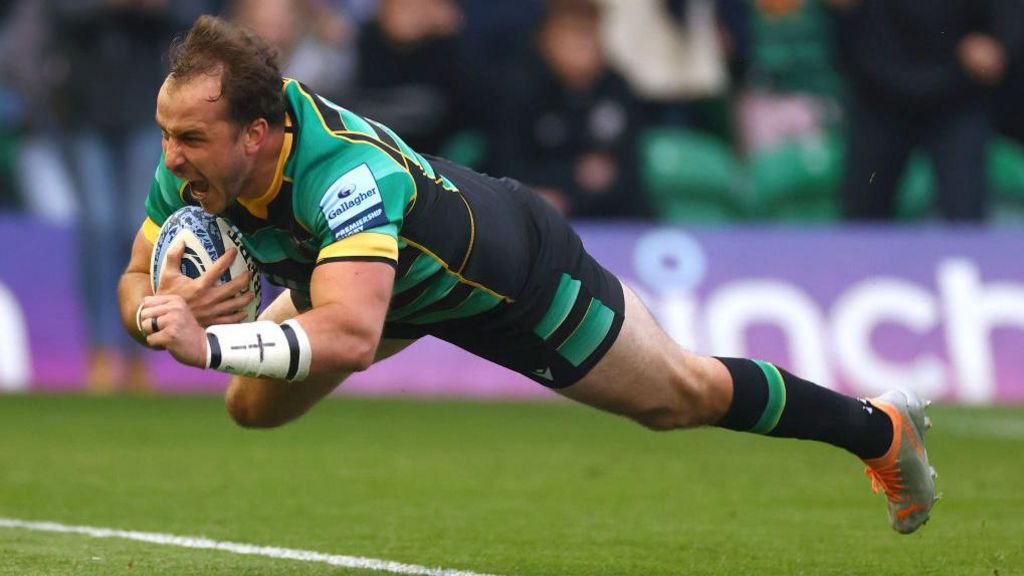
pixel 768 400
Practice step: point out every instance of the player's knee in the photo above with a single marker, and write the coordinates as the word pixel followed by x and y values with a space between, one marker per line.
pixel 672 416
pixel 690 402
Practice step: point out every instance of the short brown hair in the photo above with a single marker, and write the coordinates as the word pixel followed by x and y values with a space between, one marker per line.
pixel 250 79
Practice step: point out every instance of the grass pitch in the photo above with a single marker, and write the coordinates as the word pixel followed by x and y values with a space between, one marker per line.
pixel 532 489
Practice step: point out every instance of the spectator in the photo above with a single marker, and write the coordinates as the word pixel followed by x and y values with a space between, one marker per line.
pixel 568 123
pixel 1009 120
pixel 114 50
pixel 31 71
pixel 411 76
pixel 676 56
pixel 313 36
pixel 920 77
pixel 496 36
pixel 791 89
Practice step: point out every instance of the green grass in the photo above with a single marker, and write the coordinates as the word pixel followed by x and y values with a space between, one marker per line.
pixel 552 488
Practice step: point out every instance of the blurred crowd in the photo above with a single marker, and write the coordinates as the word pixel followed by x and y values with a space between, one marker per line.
pixel 679 110
pixel 673 109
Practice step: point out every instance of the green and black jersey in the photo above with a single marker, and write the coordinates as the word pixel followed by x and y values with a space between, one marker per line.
pixel 480 262
pixel 346 188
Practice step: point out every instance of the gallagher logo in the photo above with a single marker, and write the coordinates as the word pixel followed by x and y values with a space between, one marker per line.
pixel 346 191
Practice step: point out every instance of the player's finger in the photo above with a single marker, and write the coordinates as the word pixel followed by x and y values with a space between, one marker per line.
pixel 219 267
pixel 233 318
pixel 172 266
pixel 227 307
pixel 240 282
pixel 156 300
pixel 158 340
pixel 156 310
pixel 228 290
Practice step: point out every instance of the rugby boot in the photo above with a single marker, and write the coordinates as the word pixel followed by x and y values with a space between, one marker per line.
pixel 903 472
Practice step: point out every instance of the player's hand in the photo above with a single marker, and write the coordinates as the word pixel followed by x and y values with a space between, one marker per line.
pixel 168 323
pixel 209 302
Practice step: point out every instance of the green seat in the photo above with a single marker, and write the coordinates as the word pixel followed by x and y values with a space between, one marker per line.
pixel 467 147
pixel 8 156
pixel 916 189
pixel 1006 175
pixel 1005 167
pixel 798 180
pixel 689 176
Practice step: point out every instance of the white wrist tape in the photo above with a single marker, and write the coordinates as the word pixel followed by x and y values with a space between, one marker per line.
pixel 259 349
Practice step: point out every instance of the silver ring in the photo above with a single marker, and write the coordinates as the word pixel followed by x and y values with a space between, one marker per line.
pixel 153 324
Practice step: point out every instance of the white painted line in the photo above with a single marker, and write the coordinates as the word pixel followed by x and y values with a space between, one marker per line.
pixel 237 548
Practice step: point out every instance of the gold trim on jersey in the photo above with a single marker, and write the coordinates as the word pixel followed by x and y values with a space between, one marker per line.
pixel 472 232
pixel 372 244
pixel 373 142
pixel 258 206
pixel 151 230
pixel 457 275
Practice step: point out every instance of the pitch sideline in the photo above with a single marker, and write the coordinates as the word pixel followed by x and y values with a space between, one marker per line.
pixel 237 548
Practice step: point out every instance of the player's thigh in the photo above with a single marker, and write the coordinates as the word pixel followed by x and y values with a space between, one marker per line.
pixel 644 373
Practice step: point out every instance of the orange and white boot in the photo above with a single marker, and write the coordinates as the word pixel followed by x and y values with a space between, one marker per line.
pixel 903 471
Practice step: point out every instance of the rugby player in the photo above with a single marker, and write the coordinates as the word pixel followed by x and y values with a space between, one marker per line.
pixel 379 245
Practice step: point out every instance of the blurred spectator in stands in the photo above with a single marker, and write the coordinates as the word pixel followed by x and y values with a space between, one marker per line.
pixel 9 200
pixel 10 105
pixel 497 35
pixel 790 89
pixel 567 123
pixel 32 71
pixel 315 40
pixel 677 56
pixel 921 73
pixel 411 75
pixel 114 50
pixel 1009 119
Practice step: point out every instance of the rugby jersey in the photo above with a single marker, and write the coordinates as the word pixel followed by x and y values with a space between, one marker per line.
pixel 348 188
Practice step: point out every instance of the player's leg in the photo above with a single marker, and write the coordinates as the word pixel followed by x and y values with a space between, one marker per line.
pixel 648 377
pixel 268 402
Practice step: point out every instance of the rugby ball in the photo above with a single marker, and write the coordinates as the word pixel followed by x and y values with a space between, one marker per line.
pixel 206 238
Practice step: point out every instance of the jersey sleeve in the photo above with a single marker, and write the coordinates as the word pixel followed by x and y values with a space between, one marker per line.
pixel 163 199
pixel 356 210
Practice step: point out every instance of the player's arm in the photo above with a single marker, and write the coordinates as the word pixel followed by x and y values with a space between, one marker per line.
pixel 339 334
pixel 259 402
pixel 135 285
pixel 350 302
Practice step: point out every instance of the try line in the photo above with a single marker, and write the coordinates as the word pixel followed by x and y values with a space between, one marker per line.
pixel 237 548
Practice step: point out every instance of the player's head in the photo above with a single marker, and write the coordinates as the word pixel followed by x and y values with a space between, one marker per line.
pixel 217 105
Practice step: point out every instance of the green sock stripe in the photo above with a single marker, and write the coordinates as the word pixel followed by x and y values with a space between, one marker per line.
pixel 776 399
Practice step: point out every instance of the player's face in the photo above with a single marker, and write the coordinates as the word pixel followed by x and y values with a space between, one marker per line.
pixel 200 143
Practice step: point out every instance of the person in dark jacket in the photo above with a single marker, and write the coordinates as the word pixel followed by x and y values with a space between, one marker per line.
pixel 412 75
pixel 921 73
pixel 567 123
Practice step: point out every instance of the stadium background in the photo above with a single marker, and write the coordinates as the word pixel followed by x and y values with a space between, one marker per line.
pixel 708 176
